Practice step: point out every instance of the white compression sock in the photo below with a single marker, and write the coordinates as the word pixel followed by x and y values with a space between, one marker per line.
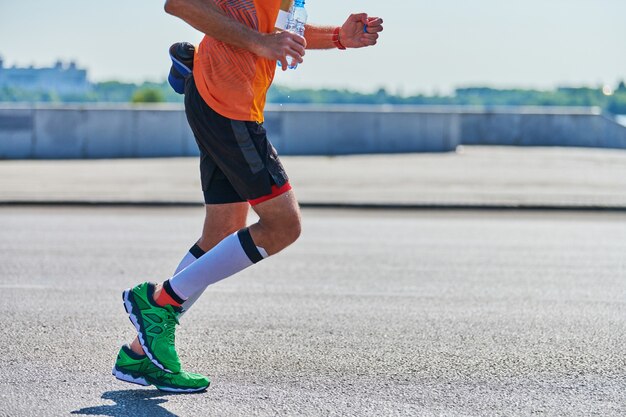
pixel 233 254
pixel 190 257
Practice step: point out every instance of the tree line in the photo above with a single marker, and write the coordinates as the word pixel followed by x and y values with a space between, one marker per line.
pixel 609 100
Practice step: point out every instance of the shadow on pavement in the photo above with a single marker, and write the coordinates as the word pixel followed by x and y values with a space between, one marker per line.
pixel 130 402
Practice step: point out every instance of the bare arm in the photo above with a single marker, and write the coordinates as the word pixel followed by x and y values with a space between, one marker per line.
pixel 208 18
pixel 351 33
pixel 319 37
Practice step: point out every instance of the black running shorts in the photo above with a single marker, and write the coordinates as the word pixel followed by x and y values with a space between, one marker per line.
pixel 237 161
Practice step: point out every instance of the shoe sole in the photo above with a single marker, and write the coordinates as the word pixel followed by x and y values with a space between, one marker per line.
pixel 122 376
pixel 181 390
pixel 128 306
pixel 129 378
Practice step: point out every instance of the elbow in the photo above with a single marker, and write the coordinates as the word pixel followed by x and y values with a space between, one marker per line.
pixel 171 6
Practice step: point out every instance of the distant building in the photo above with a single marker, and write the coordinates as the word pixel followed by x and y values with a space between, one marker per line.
pixel 61 78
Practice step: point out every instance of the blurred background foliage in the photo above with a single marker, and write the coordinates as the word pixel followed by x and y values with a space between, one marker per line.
pixel 609 99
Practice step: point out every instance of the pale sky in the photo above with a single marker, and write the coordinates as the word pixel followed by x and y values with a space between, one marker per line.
pixel 427 46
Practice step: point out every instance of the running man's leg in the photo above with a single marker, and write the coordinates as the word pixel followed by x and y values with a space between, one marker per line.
pixel 279 226
pixel 220 221
pixel 241 153
pixel 190 257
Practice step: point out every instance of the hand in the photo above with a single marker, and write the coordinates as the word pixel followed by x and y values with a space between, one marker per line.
pixel 352 35
pixel 278 45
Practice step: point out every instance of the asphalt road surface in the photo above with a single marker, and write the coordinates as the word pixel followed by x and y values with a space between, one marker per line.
pixel 370 313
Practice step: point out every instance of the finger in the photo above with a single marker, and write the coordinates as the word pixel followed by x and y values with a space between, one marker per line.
pixel 298 39
pixel 359 17
pixel 368 40
pixel 283 63
pixel 296 57
pixel 374 29
pixel 297 48
pixel 370 37
pixel 296 53
pixel 292 38
pixel 374 21
pixel 289 36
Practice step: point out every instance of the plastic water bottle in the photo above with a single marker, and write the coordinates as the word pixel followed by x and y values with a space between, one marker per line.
pixel 295 25
pixel 284 14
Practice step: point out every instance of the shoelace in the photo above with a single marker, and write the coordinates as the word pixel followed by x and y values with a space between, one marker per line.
pixel 172 321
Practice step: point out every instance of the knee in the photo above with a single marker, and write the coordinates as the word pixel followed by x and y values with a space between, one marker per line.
pixel 283 233
pixel 292 231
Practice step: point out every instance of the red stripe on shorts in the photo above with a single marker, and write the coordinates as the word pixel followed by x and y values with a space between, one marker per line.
pixel 276 191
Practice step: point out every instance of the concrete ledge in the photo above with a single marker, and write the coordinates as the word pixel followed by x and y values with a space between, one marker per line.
pixel 329 206
pixel 114 131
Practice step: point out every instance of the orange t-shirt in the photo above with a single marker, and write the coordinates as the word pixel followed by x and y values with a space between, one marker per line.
pixel 231 80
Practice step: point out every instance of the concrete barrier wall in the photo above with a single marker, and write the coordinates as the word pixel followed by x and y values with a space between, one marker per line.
pixel 160 131
pixel 16 133
pixel 77 132
pixel 341 130
pixel 540 127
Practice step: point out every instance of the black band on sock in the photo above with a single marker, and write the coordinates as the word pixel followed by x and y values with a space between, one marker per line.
pixel 168 289
pixel 196 251
pixel 248 245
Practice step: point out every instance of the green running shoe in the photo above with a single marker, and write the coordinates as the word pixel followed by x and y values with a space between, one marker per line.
pixel 136 369
pixel 155 326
